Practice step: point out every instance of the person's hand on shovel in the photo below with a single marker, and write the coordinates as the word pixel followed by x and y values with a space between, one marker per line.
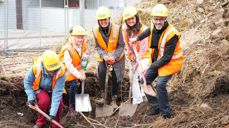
pixel 32 104
pixel 83 76
pixel 111 58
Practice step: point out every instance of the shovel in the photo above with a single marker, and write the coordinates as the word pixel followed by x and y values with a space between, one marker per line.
pixel 105 110
pixel 128 109
pixel 36 108
pixel 82 101
pixel 147 89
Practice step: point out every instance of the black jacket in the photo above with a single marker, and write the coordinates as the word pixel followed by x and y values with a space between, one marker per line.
pixel 169 48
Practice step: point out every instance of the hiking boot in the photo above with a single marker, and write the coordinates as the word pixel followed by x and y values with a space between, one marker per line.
pixel 72 111
pixel 153 112
pixel 101 100
pixel 36 126
pixel 167 116
pixel 114 101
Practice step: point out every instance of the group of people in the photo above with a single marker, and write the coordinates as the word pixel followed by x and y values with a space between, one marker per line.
pixel 154 52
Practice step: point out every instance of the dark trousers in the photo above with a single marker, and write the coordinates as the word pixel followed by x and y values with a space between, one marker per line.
pixel 161 101
pixel 73 90
pixel 102 79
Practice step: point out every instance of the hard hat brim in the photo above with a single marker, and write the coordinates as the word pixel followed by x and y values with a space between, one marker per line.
pixel 52 68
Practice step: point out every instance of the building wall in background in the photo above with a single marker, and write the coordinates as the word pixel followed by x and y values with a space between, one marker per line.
pixel 54 16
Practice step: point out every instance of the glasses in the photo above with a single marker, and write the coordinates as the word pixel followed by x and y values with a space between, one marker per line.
pixel 159 19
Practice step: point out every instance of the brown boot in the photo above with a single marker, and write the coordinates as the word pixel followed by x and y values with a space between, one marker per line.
pixel 101 100
pixel 71 110
pixel 114 101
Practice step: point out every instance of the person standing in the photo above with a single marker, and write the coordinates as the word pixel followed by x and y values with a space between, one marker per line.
pixel 109 45
pixel 72 54
pixel 133 27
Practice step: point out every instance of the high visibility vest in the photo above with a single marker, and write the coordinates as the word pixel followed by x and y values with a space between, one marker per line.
pixel 37 71
pixel 112 42
pixel 176 62
pixel 126 40
pixel 76 57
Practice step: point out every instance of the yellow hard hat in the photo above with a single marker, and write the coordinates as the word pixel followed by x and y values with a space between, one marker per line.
pixel 103 13
pixel 129 12
pixel 50 60
pixel 77 30
pixel 160 10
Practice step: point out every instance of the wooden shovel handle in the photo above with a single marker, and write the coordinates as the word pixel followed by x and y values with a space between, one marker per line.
pixel 36 108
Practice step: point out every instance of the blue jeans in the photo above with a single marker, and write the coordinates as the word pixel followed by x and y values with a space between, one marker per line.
pixel 160 102
pixel 73 90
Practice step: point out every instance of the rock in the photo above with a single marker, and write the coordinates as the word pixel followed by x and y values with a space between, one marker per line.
pixel 225 120
pixel 199 2
pixel 225 42
pixel 201 10
pixel 216 32
pixel 212 26
pixel 205 107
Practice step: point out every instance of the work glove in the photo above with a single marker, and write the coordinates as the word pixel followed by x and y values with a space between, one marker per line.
pixel 83 76
pixel 31 102
pixel 111 58
pixel 51 117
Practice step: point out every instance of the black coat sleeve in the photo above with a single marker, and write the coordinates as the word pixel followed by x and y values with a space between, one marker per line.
pixel 144 34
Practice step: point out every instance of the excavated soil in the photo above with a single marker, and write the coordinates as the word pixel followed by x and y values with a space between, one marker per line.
pixel 198 94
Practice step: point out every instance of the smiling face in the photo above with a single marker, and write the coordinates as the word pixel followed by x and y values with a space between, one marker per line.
pixel 78 40
pixel 159 22
pixel 131 21
pixel 104 22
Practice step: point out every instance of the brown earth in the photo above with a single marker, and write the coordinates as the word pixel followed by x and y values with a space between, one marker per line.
pixel 199 93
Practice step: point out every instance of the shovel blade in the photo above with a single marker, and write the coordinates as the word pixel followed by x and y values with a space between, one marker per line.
pixel 82 103
pixel 104 111
pixel 127 109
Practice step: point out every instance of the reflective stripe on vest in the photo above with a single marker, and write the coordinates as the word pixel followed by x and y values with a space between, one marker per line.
pixel 112 41
pixel 111 46
pixel 163 43
pixel 75 58
pixel 37 71
pixel 176 63
pixel 126 40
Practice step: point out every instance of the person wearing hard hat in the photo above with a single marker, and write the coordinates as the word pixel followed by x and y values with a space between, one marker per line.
pixel 44 86
pixel 72 54
pixel 109 45
pixel 167 58
pixel 133 27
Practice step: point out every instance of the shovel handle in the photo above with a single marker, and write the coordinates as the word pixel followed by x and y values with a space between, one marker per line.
pixel 149 91
pixel 83 83
pixel 106 82
pixel 36 108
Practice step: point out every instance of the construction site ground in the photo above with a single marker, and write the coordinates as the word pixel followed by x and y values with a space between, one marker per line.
pixel 198 94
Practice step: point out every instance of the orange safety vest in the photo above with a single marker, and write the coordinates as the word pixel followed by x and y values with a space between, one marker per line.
pixel 126 40
pixel 37 71
pixel 176 63
pixel 112 42
pixel 76 57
